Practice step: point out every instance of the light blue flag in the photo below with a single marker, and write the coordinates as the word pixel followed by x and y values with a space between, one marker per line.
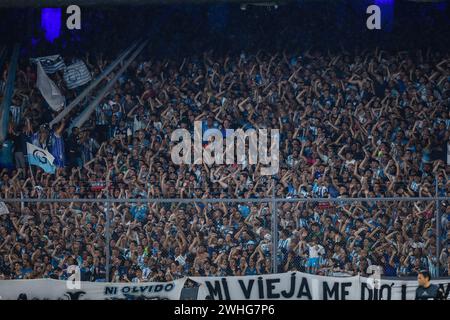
pixel 41 158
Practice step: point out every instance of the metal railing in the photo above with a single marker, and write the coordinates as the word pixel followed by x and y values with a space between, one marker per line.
pixel 276 211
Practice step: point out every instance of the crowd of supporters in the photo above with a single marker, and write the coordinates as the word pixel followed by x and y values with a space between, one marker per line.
pixel 353 124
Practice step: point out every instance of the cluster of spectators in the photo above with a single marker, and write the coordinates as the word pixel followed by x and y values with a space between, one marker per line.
pixel 353 123
pixel 371 124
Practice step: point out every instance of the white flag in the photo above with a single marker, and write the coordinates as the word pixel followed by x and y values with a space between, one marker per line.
pixel 41 158
pixel 3 208
pixel 77 74
pixel 50 64
pixel 49 90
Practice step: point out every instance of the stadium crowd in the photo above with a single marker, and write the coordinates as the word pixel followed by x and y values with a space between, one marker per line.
pixel 361 124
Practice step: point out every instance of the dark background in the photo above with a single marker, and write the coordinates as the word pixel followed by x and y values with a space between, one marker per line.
pixel 177 30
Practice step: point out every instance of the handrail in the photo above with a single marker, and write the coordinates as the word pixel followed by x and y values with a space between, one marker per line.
pixel 218 200
pixel 93 84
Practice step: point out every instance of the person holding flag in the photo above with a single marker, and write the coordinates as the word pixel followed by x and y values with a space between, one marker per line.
pixel 41 138
pixel 51 141
pixel 57 145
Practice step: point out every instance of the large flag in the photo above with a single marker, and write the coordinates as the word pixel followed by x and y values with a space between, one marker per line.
pixel 50 64
pixel 41 158
pixel 77 74
pixel 49 90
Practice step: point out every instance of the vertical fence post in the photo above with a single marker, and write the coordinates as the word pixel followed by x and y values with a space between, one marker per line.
pixel 438 226
pixel 108 240
pixel 274 233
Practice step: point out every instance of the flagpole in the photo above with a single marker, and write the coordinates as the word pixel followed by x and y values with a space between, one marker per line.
pixel 84 116
pixel 31 171
pixel 93 84
pixel 29 165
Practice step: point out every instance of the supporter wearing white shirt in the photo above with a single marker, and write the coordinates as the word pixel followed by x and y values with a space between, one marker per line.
pixel 315 250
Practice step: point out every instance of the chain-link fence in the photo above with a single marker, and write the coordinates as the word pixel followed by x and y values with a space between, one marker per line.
pixel 121 240
pixel 347 236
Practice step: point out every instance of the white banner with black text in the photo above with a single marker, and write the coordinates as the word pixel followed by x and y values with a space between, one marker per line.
pixel 303 286
pixel 49 289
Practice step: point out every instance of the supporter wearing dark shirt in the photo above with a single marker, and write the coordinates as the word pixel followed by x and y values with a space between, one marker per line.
pixel 426 290
pixel 73 148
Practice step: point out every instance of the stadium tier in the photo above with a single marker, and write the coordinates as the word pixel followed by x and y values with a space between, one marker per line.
pixel 357 133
